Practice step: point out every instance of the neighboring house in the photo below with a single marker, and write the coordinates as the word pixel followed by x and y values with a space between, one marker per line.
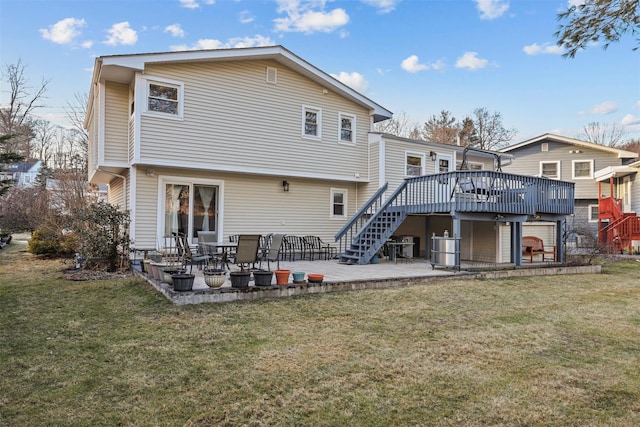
pixel 562 158
pixel 23 173
pixel 619 206
pixel 257 140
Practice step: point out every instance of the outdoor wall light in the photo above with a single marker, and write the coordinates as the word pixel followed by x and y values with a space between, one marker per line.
pixel 432 154
pixel 285 186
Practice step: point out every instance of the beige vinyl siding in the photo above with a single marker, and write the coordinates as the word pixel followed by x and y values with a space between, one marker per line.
pixel 635 193
pixel 116 123
pixel 230 109
pixel 252 204
pixel 116 193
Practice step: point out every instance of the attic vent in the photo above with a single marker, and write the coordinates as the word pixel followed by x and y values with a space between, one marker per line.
pixel 544 146
pixel 272 75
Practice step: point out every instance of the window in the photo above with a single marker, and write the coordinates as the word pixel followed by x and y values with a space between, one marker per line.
pixel 311 122
pixel 189 208
pixel 550 169
pixel 414 165
pixel 338 203
pixel 164 98
pixel 347 128
pixel 593 213
pixel 582 169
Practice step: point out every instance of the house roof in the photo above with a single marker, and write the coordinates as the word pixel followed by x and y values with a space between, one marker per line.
pixel 121 68
pixel 622 154
pixel 614 172
pixel 25 166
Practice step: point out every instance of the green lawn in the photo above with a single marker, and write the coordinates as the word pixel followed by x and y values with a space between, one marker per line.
pixel 561 350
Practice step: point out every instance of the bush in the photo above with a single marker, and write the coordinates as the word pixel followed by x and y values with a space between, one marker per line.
pixel 46 241
pixel 103 233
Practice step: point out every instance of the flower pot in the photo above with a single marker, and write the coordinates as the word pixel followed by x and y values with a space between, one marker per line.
pixel 262 278
pixel 166 274
pixel 154 272
pixel 240 279
pixel 282 277
pixel 315 278
pixel 183 282
pixel 214 278
pixel 298 276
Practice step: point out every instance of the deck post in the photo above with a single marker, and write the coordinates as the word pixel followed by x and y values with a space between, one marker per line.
pixel 516 243
pixel 427 237
pixel 457 234
pixel 559 240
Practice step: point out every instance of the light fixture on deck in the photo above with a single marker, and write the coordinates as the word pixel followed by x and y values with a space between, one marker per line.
pixel 285 186
pixel 432 155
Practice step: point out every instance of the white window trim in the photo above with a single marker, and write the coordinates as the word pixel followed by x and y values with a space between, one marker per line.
pixel 148 80
pixel 556 162
pixel 590 213
pixel 353 128
pixel 345 194
pixel 422 162
pixel 163 180
pixel 573 169
pixel 319 112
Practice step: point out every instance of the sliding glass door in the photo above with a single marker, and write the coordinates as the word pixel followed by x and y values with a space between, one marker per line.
pixel 189 208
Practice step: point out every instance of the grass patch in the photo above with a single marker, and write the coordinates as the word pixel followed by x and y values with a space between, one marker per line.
pixel 564 350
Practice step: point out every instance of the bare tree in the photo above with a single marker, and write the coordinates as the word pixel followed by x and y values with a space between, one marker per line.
pixel 442 128
pixel 604 134
pixel 631 145
pixel 489 131
pixel 76 112
pixel 44 140
pixel 597 20
pixel 399 125
pixel 23 101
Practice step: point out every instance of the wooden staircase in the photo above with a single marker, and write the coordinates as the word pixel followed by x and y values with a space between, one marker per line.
pixel 623 228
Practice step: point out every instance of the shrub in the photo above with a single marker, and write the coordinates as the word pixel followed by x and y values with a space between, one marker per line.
pixel 103 233
pixel 46 241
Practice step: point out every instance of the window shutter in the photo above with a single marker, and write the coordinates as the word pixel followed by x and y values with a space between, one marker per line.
pixel 272 75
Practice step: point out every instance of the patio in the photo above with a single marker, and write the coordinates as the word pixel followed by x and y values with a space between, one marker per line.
pixel 341 277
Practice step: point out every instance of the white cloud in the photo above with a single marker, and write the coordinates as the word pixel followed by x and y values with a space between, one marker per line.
pixel 246 17
pixel 546 48
pixel 491 9
pixel 236 42
pixel 194 4
pixel 630 120
pixel 606 107
pixel 354 80
pixel 471 61
pixel 63 31
pixel 575 3
pixel 412 65
pixel 383 6
pixel 86 44
pixel 302 18
pixel 121 33
pixel 175 30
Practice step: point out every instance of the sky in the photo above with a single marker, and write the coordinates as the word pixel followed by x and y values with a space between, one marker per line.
pixel 413 57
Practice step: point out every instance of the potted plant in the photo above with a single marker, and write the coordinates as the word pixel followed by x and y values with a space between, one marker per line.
pixel 183 281
pixel 282 277
pixel 262 277
pixel 298 277
pixel 240 279
pixel 315 278
pixel 214 277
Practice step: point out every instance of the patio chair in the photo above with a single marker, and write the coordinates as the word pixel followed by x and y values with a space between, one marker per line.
pixel 315 245
pixel 295 246
pixel 187 254
pixel 273 252
pixel 247 251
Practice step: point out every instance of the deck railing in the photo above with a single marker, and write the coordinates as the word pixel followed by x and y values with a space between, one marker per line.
pixel 492 192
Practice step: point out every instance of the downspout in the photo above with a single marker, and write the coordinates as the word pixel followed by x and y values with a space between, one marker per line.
pixel 124 188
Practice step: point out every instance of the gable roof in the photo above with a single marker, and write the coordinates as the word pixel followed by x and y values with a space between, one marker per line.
pixel 622 154
pixel 121 68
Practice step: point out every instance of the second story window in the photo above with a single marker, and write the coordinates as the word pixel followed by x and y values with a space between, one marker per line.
pixel 163 98
pixel 550 169
pixel 414 165
pixel 347 128
pixel 582 169
pixel 311 122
